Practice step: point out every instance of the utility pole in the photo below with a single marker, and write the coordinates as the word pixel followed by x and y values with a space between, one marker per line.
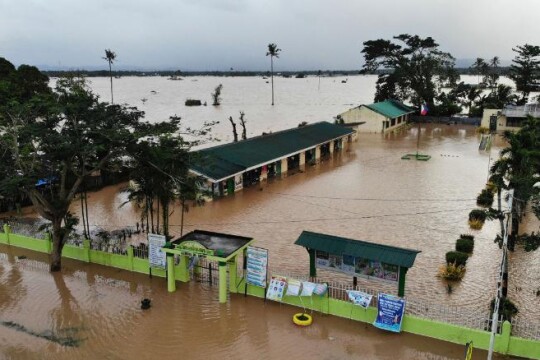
pixel 503 278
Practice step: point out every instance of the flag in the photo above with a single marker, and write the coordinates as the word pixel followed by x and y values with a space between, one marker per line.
pixel 424 109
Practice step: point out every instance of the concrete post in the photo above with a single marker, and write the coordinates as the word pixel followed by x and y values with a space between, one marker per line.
pixel 86 250
pixel 317 153
pixel 183 274
pixel 130 256
pixel 332 147
pixel 504 340
pixel 222 282
pixel 233 275
pixel 312 267
pixel 7 231
pixel 171 281
pixel 401 281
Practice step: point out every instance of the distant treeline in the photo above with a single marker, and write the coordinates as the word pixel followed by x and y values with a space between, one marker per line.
pixel 175 74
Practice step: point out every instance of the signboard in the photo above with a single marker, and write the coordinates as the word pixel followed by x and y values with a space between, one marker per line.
pixel 193 248
pixel 156 256
pixel 293 287
pixel 276 288
pixel 390 310
pixel 307 288
pixel 360 298
pixel 357 266
pixel 256 266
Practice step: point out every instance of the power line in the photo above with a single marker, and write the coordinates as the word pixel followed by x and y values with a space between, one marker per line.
pixel 372 199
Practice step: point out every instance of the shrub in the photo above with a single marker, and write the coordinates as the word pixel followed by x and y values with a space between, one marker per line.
pixel 507 310
pixel 456 257
pixel 476 224
pixel 465 245
pixel 477 214
pixel 452 272
pixel 485 198
pixel 466 236
pixel 193 102
pixel 482 130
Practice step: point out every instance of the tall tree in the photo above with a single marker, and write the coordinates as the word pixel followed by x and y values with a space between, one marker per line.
pixel 525 70
pixel 57 139
pixel 273 52
pixel 235 133
pixel 411 69
pixel 110 56
pixel 243 123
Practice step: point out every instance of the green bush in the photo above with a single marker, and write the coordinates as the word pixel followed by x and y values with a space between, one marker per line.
pixel 456 257
pixel 477 214
pixel 193 102
pixel 507 310
pixel 485 198
pixel 465 245
pixel 466 236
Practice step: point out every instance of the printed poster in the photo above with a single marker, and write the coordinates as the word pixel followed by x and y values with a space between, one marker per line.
pixel 360 298
pixel 293 287
pixel 156 256
pixel 390 310
pixel 307 288
pixel 276 288
pixel 256 266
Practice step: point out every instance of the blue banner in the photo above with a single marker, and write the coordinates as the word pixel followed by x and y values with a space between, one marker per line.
pixel 390 310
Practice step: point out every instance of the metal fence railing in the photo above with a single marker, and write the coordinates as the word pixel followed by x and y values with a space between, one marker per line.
pixel 524 329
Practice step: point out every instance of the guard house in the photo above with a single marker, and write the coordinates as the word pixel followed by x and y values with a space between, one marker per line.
pixel 231 167
pixel 357 258
pixel 379 117
pixel 221 248
pixel 511 117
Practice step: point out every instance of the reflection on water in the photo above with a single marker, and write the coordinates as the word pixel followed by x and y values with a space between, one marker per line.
pixel 98 309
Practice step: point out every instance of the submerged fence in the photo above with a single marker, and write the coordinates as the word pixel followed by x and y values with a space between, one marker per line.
pixel 524 333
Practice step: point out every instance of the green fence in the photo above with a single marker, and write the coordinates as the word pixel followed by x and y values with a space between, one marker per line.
pixel 504 342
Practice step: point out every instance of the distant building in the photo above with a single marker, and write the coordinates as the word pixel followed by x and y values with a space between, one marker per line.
pixel 230 167
pixel 380 117
pixel 509 118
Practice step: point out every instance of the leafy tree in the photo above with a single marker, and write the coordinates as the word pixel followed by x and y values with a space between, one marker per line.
pixel 59 138
pixel 110 57
pixel 273 52
pixel 413 69
pixel 525 70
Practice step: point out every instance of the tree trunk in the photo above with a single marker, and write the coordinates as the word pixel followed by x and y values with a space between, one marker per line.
pixel 272 74
pixel 86 212
pixel 110 75
pixel 165 214
pixel 58 245
pixel 182 218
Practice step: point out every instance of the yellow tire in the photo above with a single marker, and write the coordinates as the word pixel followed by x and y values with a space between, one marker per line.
pixel 302 319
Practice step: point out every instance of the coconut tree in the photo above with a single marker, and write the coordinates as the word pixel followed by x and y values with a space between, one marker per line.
pixel 110 57
pixel 273 52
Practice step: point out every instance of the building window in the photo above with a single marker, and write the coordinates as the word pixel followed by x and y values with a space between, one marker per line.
pixel 514 121
pixel 393 122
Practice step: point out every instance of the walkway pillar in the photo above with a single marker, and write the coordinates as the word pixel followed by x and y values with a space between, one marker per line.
pixel 233 275
pixel 332 147
pixel 302 158
pixel 222 282
pixel 183 268
pixel 171 281
pixel 317 153
pixel 401 282
pixel 284 166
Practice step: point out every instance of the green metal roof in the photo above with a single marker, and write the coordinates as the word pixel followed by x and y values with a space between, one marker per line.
pixel 223 161
pixel 390 108
pixel 339 246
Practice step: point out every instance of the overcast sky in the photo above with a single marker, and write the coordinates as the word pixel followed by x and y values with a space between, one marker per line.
pixel 220 34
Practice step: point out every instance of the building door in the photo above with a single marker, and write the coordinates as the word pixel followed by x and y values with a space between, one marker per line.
pixel 278 167
pixel 493 123
pixel 230 186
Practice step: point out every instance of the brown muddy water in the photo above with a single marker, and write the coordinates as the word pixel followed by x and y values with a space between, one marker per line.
pixel 92 312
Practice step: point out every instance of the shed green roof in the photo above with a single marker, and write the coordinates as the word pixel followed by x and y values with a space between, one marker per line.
pixel 223 161
pixel 358 248
pixel 390 108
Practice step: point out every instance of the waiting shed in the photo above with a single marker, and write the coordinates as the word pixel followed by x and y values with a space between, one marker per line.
pixel 357 257
pixel 221 248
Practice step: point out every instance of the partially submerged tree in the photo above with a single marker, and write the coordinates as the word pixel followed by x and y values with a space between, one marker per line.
pixel 525 70
pixel 110 57
pixel 412 69
pixel 216 95
pixel 54 140
pixel 273 52
pixel 235 133
pixel 243 123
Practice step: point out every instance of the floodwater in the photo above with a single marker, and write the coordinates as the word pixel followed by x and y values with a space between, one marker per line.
pixel 92 312
pixel 366 193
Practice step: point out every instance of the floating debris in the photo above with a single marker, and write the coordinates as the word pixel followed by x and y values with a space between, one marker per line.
pixel 145 304
pixel 47 335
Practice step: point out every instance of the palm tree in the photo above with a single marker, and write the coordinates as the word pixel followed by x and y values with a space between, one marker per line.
pixel 273 52
pixel 110 56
